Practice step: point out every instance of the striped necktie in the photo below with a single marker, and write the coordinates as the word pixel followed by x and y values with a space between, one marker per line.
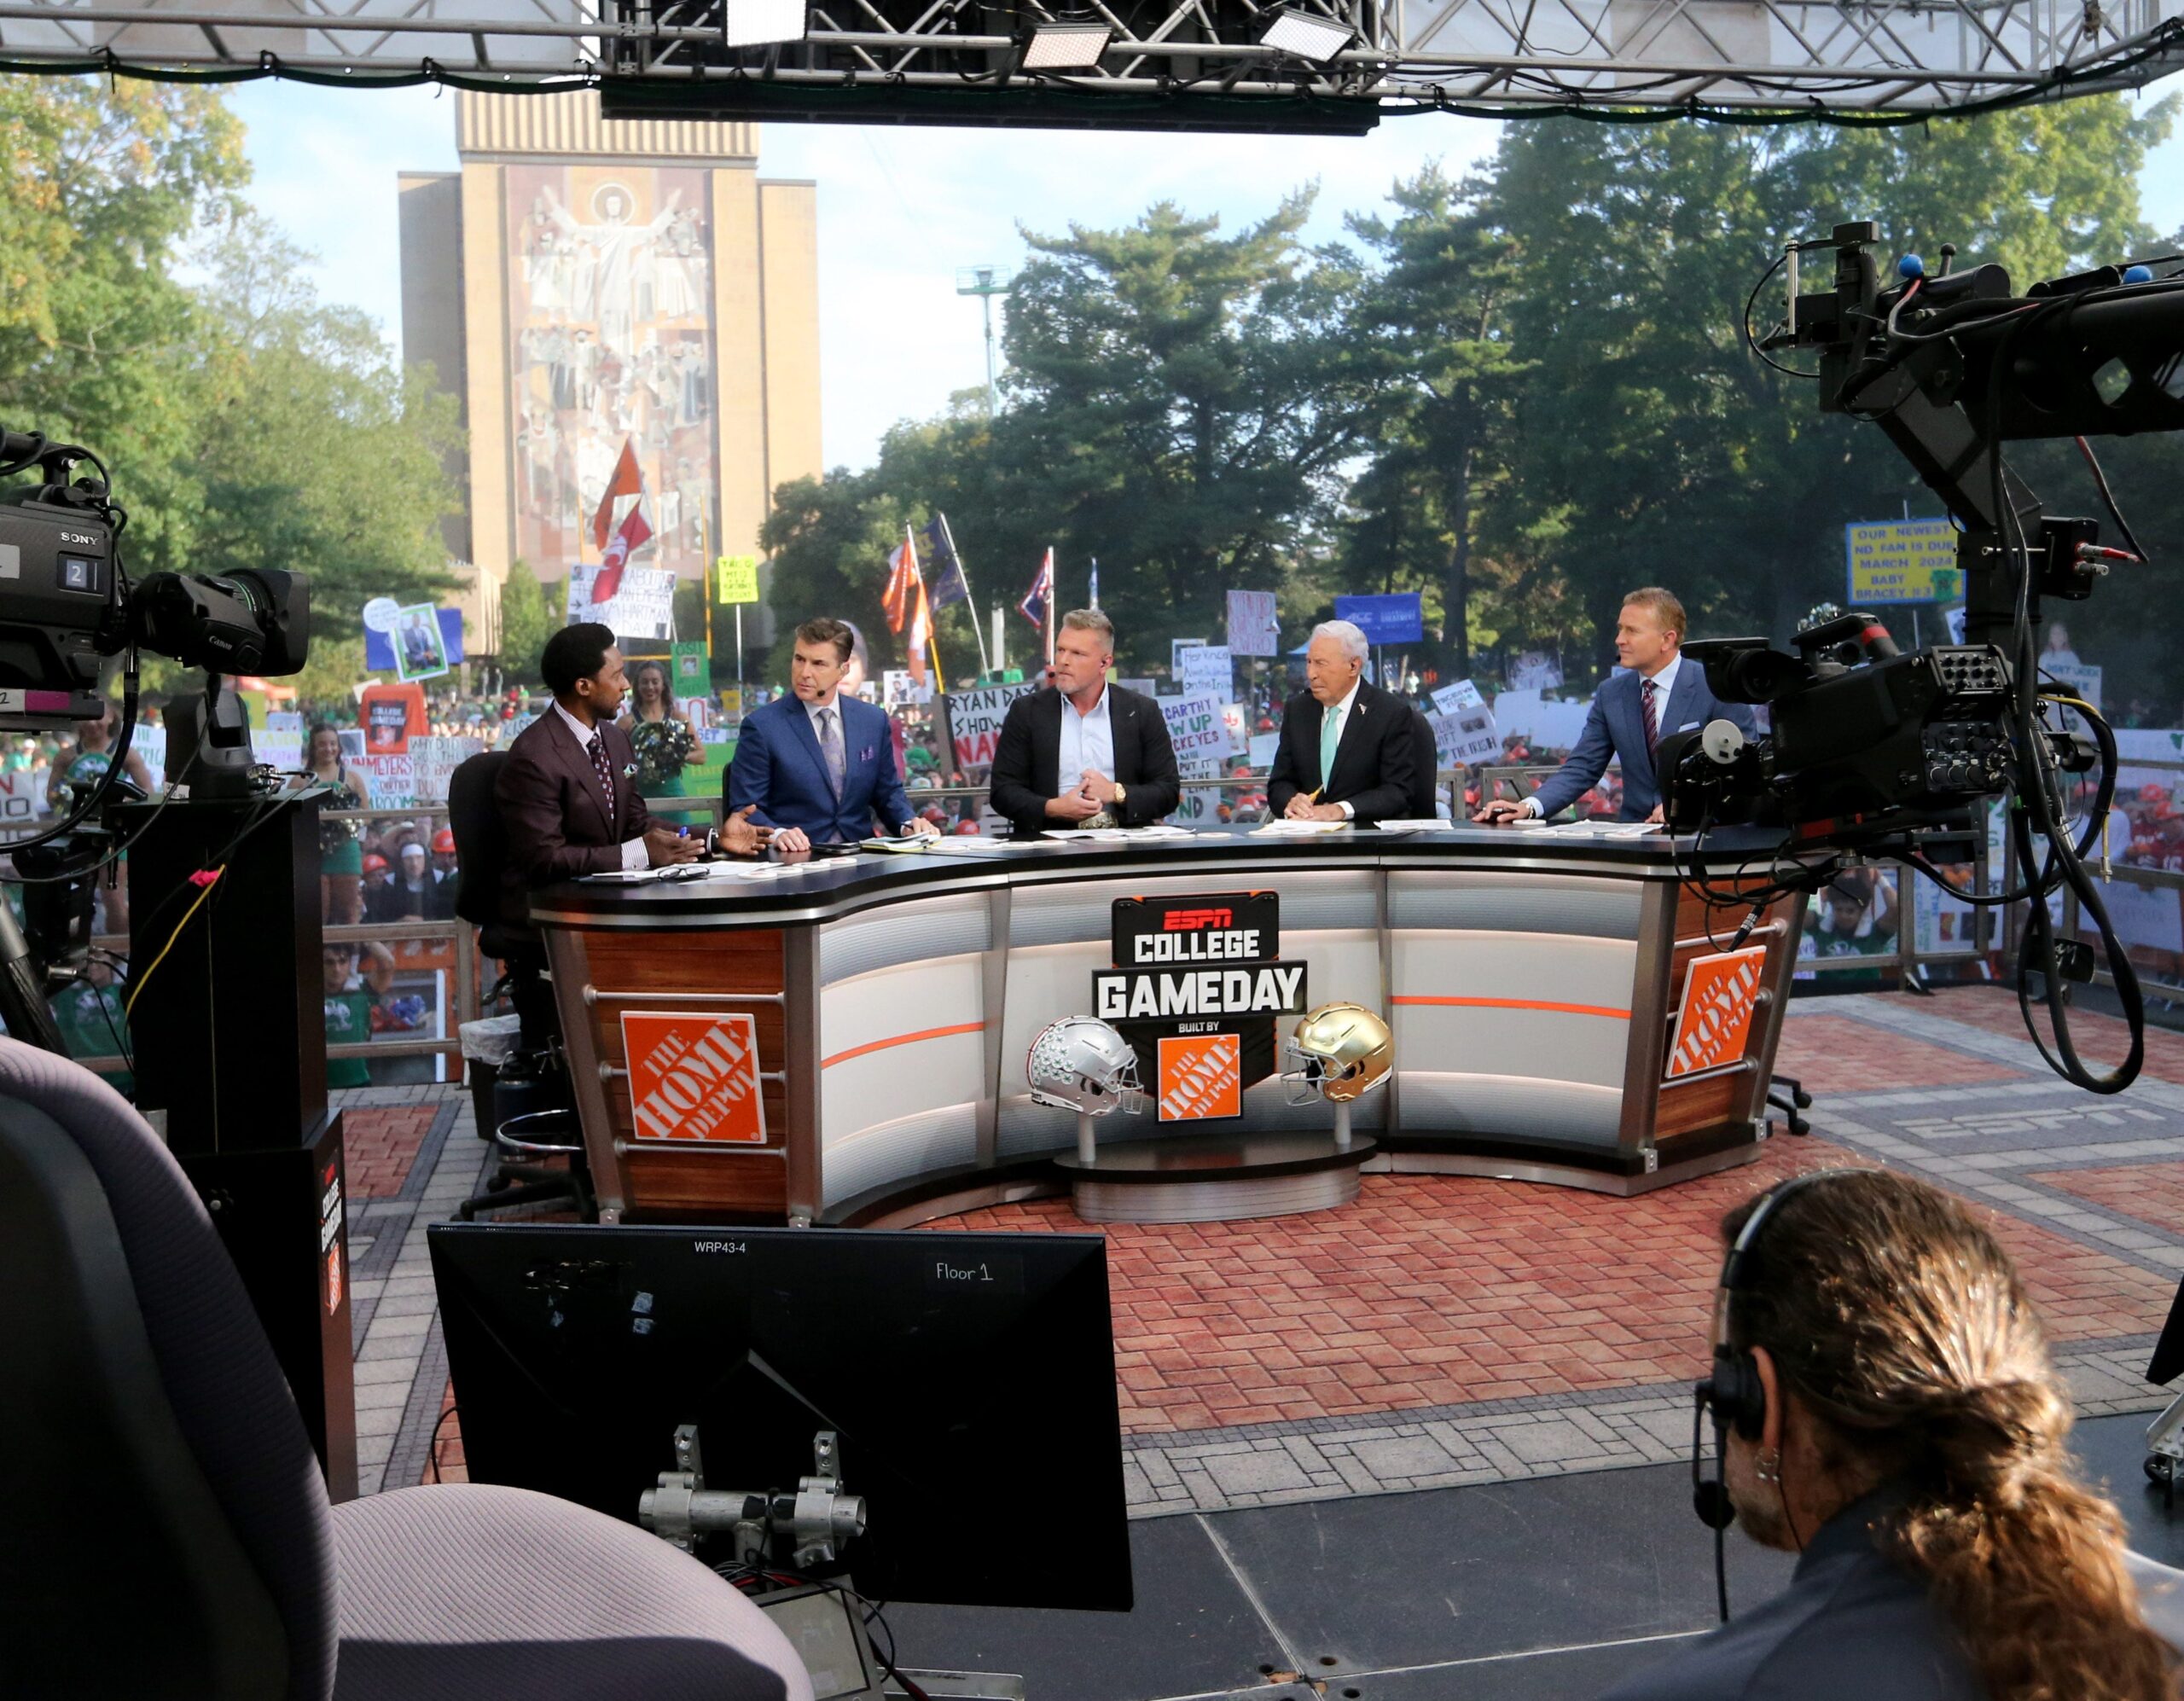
pixel 1652 721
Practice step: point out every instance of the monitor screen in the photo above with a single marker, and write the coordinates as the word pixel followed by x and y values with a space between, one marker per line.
pixel 969 1378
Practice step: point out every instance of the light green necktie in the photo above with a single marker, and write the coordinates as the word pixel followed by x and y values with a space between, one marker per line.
pixel 1330 736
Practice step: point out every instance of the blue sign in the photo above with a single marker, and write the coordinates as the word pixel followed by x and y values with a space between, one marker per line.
pixel 1397 620
pixel 379 647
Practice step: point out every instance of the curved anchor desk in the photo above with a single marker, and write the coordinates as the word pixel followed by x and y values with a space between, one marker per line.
pixel 1531 979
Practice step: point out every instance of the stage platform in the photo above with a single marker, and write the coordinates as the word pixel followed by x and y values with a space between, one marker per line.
pixel 1437 1435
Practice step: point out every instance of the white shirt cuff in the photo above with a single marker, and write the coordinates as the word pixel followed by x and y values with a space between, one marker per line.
pixel 1348 813
pixel 1531 808
pixel 633 856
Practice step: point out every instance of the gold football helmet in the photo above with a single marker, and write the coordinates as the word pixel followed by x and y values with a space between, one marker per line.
pixel 1343 1052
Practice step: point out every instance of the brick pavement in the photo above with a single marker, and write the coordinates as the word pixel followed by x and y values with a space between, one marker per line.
pixel 379 1142
pixel 1445 1329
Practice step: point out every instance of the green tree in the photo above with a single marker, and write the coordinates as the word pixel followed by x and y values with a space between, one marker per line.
pixel 828 541
pixel 1179 404
pixel 526 622
pixel 1434 312
pixel 1665 452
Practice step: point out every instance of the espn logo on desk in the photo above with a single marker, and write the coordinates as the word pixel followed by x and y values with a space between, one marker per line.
pixel 1201 1075
pixel 1719 993
pixel 693 1078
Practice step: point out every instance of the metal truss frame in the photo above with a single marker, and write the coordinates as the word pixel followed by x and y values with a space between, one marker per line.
pixel 949 59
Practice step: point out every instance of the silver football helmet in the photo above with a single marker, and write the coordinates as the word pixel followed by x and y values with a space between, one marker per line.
pixel 1081 1064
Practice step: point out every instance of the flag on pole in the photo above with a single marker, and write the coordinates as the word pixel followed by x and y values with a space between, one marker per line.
pixel 920 638
pixel 1040 598
pixel 903 574
pixel 629 537
pixel 627 482
pixel 949 584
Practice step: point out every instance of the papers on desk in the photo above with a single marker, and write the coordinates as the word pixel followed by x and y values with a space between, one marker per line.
pixel 1121 834
pixel 1418 824
pixel 980 845
pixel 1606 829
pixel 1285 828
pixel 908 844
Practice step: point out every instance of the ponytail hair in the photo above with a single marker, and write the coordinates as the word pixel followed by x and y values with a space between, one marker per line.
pixel 1902 1326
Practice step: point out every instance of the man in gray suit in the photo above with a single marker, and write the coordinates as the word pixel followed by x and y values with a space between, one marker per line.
pixel 1632 713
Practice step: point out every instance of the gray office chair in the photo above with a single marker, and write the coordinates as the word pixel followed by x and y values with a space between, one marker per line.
pixel 166 1531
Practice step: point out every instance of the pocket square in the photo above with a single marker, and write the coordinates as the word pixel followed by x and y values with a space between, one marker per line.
pixel 865 755
pixel 1689 726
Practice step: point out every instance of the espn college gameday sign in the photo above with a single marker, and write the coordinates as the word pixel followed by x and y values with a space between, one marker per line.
pixel 1719 993
pixel 693 1078
pixel 1196 986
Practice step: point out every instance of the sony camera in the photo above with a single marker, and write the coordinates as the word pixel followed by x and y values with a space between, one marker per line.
pixel 66 605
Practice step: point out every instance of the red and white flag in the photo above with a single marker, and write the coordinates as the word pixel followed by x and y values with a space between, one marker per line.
pixel 627 482
pixel 632 535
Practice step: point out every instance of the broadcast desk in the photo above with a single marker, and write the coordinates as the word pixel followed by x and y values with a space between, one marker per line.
pixel 1532 980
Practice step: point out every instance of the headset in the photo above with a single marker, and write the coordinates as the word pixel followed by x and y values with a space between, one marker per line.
pixel 1733 1393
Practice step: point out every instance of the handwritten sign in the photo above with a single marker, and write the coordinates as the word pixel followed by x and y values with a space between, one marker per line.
pixel 974 719
pixel 1196 726
pixel 1903 561
pixel 1253 628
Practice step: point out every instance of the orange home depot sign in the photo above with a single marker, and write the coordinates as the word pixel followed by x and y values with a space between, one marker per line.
pixel 1719 995
pixel 1201 1075
pixel 694 1077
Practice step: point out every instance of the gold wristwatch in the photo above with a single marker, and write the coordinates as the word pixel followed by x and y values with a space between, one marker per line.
pixel 1121 794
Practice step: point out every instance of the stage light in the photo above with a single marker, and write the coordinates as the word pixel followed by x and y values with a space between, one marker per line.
pixel 1306 35
pixel 1066 46
pixel 756 23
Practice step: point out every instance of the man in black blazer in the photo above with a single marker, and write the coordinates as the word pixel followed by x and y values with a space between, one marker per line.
pixel 1086 753
pixel 1346 751
pixel 568 793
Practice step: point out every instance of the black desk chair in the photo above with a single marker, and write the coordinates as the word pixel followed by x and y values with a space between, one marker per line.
pixel 526 1174
pixel 167 1531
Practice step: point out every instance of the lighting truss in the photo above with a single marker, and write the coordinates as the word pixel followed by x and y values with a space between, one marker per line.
pixel 1169 64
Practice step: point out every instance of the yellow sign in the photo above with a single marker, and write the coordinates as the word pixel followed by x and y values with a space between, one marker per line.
pixel 738 578
pixel 1904 560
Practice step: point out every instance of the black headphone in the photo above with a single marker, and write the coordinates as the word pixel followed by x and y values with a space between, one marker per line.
pixel 1733 1393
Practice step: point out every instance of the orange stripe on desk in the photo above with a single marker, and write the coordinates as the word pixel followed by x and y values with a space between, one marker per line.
pixel 902 1039
pixel 1524 1004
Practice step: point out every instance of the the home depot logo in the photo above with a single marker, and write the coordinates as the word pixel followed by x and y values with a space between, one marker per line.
pixel 1718 994
pixel 1201 1075
pixel 694 1077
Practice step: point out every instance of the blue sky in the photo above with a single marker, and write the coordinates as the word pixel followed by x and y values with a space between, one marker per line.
pixel 900 208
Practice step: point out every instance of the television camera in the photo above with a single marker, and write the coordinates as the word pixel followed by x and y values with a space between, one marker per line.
pixel 66 605
pixel 1869 750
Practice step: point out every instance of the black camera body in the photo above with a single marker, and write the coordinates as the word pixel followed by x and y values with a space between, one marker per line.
pixel 66 604
pixel 1896 740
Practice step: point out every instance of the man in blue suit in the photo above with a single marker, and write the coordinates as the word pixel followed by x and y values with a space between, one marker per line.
pixel 820 765
pixel 1661 694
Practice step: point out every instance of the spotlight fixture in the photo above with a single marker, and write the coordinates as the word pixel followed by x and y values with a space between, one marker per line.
pixel 1064 47
pixel 756 23
pixel 1306 35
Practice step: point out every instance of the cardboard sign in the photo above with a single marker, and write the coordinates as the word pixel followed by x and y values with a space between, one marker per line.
pixel 1719 995
pixel 1534 671
pixel 1196 726
pixel 392 715
pixel 432 762
pixel 22 796
pixel 694 1076
pixel 1205 670
pixel 736 579
pixel 974 719
pixel 1253 629
pixel 1395 618
pixel 1903 561
pixel 1201 1077
pixel 642 605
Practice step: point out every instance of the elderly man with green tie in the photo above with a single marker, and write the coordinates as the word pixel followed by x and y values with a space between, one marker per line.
pixel 1345 751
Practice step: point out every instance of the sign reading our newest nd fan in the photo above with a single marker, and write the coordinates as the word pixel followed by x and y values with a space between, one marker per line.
pixel 1196 988
pixel 693 1078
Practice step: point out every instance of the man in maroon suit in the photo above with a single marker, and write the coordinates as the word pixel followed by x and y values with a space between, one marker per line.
pixel 567 793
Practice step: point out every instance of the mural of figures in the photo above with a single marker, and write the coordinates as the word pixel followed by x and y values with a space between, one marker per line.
pixel 612 323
